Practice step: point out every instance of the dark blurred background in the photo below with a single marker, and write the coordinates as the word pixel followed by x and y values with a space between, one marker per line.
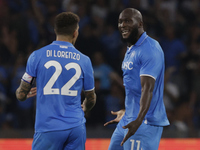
pixel 27 25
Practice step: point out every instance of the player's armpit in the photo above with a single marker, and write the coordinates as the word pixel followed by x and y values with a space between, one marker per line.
pixel 90 101
pixel 23 90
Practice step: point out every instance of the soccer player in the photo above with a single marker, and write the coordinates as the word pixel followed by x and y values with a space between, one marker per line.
pixel 141 122
pixel 61 72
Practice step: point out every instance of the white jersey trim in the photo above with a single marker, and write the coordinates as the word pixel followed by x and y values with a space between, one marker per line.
pixel 143 40
pixel 148 76
pixel 89 90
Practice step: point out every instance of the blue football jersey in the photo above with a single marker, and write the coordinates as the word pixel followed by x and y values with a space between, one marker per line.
pixel 61 73
pixel 145 58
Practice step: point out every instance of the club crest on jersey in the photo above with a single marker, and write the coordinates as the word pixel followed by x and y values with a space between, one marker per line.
pixel 127 65
pixel 133 54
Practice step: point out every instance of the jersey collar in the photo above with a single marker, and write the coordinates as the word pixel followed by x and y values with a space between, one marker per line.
pixel 141 39
pixel 62 43
pixel 139 42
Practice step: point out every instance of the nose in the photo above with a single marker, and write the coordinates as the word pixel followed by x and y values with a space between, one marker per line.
pixel 121 24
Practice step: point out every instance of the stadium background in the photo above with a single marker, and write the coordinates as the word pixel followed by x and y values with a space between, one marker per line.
pixel 28 25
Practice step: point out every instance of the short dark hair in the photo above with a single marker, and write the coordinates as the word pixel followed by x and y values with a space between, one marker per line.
pixel 66 23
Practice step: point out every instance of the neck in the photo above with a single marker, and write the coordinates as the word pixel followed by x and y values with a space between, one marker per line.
pixel 64 38
pixel 139 35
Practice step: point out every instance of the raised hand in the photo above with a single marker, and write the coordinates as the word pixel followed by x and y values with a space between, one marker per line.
pixel 119 114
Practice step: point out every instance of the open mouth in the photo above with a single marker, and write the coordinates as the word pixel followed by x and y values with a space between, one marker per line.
pixel 124 32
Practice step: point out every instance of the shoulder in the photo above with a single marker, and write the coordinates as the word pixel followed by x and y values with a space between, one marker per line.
pixel 42 49
pixel 83 56
pixel 151 46
pixel 151 49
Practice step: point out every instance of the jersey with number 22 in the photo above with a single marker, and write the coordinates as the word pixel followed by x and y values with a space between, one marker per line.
pixel 61 72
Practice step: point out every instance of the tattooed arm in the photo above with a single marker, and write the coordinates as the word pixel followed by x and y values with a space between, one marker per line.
pixel 89 102
pixel 25 91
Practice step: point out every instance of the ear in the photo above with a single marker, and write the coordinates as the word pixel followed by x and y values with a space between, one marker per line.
pixel 140 24
pixel 75 34
pixel 54 30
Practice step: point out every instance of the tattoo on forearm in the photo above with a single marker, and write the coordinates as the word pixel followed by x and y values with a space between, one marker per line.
pixel 91 100
pixel 22 91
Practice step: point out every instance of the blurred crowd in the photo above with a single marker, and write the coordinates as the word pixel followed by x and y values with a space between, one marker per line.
pixel 27 25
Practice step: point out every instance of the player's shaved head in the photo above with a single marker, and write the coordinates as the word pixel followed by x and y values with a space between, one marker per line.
pixel 133 12
pixel 130 25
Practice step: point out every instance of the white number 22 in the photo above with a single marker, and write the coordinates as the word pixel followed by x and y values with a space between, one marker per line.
pixel 65 90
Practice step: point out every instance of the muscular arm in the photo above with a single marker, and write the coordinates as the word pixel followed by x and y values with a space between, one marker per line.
pixel 145 101
pixel 23 90
pixel 90 101
pixel 146 96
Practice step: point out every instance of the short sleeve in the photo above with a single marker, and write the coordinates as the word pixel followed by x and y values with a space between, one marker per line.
pixel 31 65
pixel 151 64
pixel 88 76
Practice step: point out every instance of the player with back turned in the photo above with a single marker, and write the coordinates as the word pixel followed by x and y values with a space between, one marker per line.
pixel 141 123
pixel 61 72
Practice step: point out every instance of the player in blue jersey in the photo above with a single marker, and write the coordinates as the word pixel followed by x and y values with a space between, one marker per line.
pixel 61 73
pixel 141 122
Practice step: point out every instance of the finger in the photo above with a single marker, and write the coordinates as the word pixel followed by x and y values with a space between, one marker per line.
pixel 110 122
pixel 32 93
pixel 124 127
pixel 107 123
pixel 113 113
pixel 128 135
pixel 33 90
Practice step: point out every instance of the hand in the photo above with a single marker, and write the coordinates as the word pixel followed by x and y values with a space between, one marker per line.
pixel 132 128
pixel 84 107
pixel 33 92
pixel 119 114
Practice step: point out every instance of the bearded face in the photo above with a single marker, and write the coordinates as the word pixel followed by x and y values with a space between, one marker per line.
pixel 130 36
pixel 129 27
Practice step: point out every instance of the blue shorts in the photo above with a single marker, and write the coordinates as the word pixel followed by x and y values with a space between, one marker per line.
pixel 71 139
pixel 147 137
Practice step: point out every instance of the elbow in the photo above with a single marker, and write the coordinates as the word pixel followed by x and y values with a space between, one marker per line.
pixel 20 97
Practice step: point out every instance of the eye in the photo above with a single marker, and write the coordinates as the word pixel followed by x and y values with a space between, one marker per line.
pixel 127 21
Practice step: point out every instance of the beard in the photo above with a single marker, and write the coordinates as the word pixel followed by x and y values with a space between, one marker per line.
pixel 132 38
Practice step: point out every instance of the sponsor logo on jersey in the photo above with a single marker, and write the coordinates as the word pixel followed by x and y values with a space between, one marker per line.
pixel 127 65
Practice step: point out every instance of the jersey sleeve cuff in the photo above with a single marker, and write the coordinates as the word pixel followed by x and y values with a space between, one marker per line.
pixel 89 90
pixel 148 76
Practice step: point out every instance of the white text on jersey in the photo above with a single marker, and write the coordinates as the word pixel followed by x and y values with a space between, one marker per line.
pixel 127 65
pixel 62 54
